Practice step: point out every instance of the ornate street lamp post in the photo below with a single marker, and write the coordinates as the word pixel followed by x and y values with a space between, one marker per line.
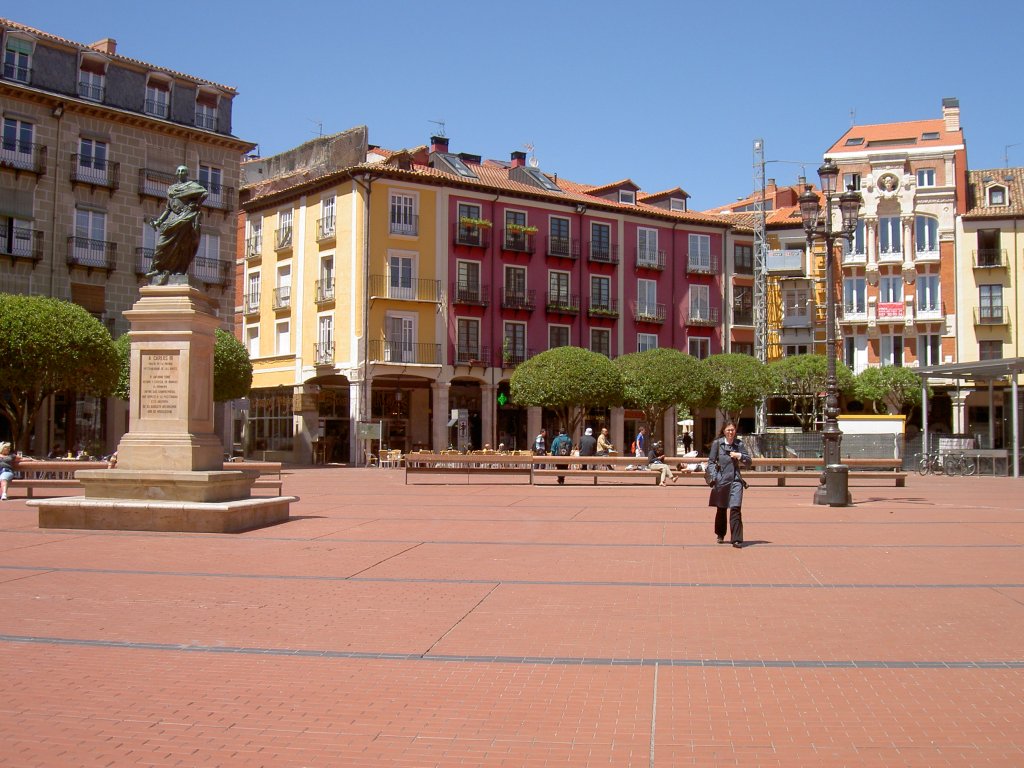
pixel 834 485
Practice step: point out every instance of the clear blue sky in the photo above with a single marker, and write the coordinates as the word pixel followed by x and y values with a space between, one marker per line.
pixel 665 93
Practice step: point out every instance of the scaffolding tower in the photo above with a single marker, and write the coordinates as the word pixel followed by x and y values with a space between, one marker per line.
pixel 760 277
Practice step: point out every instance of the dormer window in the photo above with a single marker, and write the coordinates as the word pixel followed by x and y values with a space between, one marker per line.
pixel 206 110
pixel 92 79
pixel 997 195
pixel 158 97
pixel 627 197
pixel 676 204
pixel 17 59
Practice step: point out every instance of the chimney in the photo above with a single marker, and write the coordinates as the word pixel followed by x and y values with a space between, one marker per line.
pixel 951 114
pixel 438 144
pixel 518 159
pixel 770 183
pixel 107 45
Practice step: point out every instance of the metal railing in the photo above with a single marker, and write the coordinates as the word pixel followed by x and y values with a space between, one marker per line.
pixel 991 316
pixel 743 316
pixel 282 297
pixel 254 246
pixel 649 312
pixel 22 243
pixel 515 299
pixel 252 303
pixel 98 173
pixel 206 121
pixel 325 228
pixel 473 355
pixel 412 290
pixel 23 156
pixel 324 290
pixel 464 293
pixel 283 238
pixel 702 316
pixel 521 242
pixel 650 258
pixel 702 264
pixel 210 271
pixel 513 357
pixel 785 260
pixel 609 308
pixel 475 237
pixel 563 247
pixel 990 258
pixel 155 107
pixel 218 196
pixel 604 253
pixel 405 225
pixel 16 73
pixel 92 254
pixel 90 91
pixel 383 351
pixel 324 352
pixel 564 303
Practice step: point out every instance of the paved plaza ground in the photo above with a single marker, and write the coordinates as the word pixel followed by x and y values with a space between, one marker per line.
pixel 510 625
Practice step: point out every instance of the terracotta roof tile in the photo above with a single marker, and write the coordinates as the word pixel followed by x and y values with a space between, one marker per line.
pixel 978 183
pixel 892 132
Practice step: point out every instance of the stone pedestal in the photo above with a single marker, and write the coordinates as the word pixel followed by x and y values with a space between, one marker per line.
pixel 169 474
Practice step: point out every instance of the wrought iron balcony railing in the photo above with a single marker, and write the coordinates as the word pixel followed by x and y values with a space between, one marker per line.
pixel 990 258
pixel 991 316
pixel 466 293
pixel 16 73
pixel 562 303
pixel 92 254
pixel 475 237
pixel 252 303
pixel 324 352
pixel 282 297
pixel 96 173
pixel 607 308
pixel 650 258
pixel 283 238
pixel 23 156
pixel 514 240
pixel 383 351
pixel 218 196
pixel 743 316
pixel 649 312
pixel 563 247
pixel 405 225
pixel 22 243
pixel 381 286
pixel 324 290
pixel 254 246
pixel 702 264
pixel 515 299
pixel 203 269
pixel 325 228
pixel 90 91
pixel 206 120
pixel 473 355
pixel 702 316
pixel 156 107
pixel 515 356
pixel 604 253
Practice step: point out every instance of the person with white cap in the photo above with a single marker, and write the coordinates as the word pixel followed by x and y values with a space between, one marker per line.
pixel 588 444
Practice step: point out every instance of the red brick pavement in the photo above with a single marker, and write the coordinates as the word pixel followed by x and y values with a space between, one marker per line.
pixel 508 625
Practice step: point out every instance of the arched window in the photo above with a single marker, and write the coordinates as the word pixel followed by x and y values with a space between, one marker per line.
pixel 926 237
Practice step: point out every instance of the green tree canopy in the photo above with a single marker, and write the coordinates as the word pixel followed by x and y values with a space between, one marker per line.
pixel 737 382
pixel 566 380
pixel 232 369
pixel 659 379
pixel 888 389
pixel 801 380
pixel 49 346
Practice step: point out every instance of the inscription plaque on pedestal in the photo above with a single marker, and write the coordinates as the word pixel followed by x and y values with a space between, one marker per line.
pixel 158 385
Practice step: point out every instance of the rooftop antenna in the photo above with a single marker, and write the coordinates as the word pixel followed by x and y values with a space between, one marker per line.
pixel 440 127
pixel 1006 153
pixel 853 116
pixel 534 163
pixel 319 126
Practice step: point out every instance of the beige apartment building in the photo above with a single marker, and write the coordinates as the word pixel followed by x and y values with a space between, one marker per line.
pixel 90 141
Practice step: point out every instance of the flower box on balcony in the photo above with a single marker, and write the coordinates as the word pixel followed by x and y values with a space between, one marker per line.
pixel 469 221
pixel 521 229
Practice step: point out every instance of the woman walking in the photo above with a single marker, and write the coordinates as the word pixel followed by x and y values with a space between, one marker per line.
pixel 726 457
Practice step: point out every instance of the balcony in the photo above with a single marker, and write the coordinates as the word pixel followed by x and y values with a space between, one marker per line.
pixel 744 316
pixel 512 357
pixel 520 300
pixel 647 312
pixel 788 261
pixel 253 247
pixel 474 237
pixel 156 108
pixel 218 196
pixel 325 290
pixel 466 293
pixel 851 313
pixel 990 258
pixel 206 119
pixel 927 256
pixel 603 253
pixel 473 355
pixel 282 297
pixel 153 183
pixel 323 352
pixel 854 258
pixel 23 156
pixel 991 316
pixel 382 351
pixel 793 320
pixel 407 224
pixel 91 91
pixel 429 291
pixel 325 228
pixel 252 304
pixel 702 316
pixel 283 238
pixel 16 73
pixel 608 308
pixel 650 258
pixel 563 247
pixel 702 264
pixel 22 243
pixel 96 173
pixel 517 241
pixel 562 303
pixel 92 254
pixel 890 256
pixel 210 271
pixel 930 312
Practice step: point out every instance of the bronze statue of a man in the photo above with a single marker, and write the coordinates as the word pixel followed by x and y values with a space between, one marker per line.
pixel 177 229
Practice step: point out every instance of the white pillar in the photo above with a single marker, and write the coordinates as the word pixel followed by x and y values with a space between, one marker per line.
pixel 1016 426
pixel 356 447
pixel 924 416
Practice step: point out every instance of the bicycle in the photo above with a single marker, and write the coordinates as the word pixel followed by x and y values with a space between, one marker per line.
pixel 958 464
pixel 930 462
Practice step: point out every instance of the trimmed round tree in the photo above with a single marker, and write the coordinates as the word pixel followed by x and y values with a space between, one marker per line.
pixel 657 380
pixel 49 346
pixel 889 389
pixel 232 369
pixel 737 382
pixel 567 380
pixel 801 380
